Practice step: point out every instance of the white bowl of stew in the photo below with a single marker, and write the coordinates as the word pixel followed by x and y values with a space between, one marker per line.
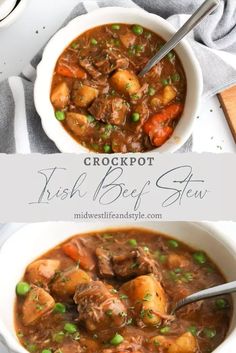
pixel 90 98
pixel 182 257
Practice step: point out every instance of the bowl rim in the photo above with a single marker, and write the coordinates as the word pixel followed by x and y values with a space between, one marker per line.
pixel 228 240
pixel 14 14
pixel 65 142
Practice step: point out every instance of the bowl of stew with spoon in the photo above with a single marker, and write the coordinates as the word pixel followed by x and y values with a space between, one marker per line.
pixel 90 97
pixel 92 288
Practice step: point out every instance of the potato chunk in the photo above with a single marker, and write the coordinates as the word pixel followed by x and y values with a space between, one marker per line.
pixel 84 95
pixel 186 343
pixel 77 122
pixel 67 281
pixel 177 261
pixel 41 272
pixel 148 296
pixel 126 82
pixel 60 95
pixel 37 303
pixel 169 93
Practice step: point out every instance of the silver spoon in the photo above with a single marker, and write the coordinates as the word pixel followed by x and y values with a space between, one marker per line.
pixel 206 293
pixel 204 10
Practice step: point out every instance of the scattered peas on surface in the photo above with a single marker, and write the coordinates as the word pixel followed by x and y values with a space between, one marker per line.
pixel 22 288
pixel 107 148
pixel 59 308
pixel 151 91
pixel 164 330
pixel 199 257
pixel 90 118
pixel 115 26
pixel 47 351
pixel 137 29
pixel 60 115
pixel 221 303
pixel 192 330
pixel 58 337
pixel 132 242
pixel 135 117
pixel 117 339
pixel 70 328
pixel 209 332
pixel 94 41
pixel 173 244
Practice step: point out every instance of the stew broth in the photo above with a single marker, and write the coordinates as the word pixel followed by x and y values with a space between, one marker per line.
pixel 112 292
pixel 99 98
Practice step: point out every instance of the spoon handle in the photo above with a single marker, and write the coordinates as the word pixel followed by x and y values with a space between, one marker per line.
pixel 205 9
pixel 207 293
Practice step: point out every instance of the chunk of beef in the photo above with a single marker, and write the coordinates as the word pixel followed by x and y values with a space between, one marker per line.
pixel 135 263
pixel 60 96
pixel 125 141
pixel 66 282
pixel 104 263
pixel 70 347
pixel 77 250
pixel 112 110
pixel 98 307
pixel 41 272
pixel 37 304
pixel 88 66
pixel 109 61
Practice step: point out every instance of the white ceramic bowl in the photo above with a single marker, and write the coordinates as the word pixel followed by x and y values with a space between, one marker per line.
pixel 14 15
pixel 65 36
pixel 33 240
pixel 6 6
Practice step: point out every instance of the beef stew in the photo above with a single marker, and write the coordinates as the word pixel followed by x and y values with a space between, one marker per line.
pixel 112 292
pixel 103 104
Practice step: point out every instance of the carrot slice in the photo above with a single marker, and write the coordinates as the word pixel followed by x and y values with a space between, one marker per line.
pixel 72 71
pixel 156 127
pixel 162 135
pixel 79 253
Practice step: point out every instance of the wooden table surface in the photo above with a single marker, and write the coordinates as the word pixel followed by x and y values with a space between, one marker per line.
pixel 228 102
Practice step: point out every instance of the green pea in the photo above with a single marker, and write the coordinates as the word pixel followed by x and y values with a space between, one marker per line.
pixel 137 29
pixel 173 244
pixel 162 258
pixel 164 330
pixel 60 115
pixel 58 337
pixel 209 332
pixel 74 45
pixel 221 303
pixel 151 91
pixel 192 330
pixel 22 288
pixel 175 77
pixel 165 82
pixel 115 26
pixel 90 118
pixel 70 328
pixel 31 348
pixel 132 242
pixel 139 48
pixel 199 257
pixel 94 41
pixel 135 117
pixel 170 55
pixel 117 339
pixel 47 351
pixel 59 308
pixel 107 148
